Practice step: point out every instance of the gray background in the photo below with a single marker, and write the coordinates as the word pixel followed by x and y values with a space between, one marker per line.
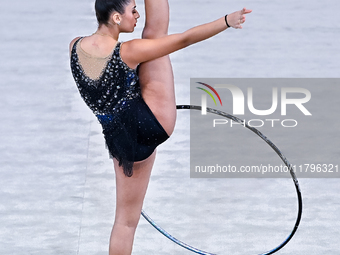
pixel 57 183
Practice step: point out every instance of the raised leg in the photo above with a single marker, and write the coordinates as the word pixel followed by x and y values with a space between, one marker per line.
pixel 130 193
pixel 156 76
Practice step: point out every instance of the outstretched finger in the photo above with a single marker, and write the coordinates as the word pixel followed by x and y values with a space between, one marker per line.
pixel 245 11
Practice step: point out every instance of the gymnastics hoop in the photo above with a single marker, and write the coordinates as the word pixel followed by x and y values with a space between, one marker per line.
pixel 283 158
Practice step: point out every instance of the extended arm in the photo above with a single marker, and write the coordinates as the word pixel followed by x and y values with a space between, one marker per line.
pixel 142 50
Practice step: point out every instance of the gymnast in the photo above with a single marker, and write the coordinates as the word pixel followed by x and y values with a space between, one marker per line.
pixel 130 88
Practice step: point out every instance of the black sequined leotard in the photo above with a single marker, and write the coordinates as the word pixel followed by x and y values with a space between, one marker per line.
pixel 130 129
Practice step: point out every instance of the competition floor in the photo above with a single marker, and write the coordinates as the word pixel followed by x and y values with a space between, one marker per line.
pixel 57 190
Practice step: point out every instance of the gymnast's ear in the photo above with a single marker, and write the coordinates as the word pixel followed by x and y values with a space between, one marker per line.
pixel 116 18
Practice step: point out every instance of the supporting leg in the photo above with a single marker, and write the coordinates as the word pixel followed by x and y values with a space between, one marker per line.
pixel 130 193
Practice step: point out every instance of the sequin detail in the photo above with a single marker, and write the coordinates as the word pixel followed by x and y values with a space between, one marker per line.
pixel 112 91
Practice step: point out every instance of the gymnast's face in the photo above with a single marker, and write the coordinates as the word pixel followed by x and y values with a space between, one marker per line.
pixel 129 18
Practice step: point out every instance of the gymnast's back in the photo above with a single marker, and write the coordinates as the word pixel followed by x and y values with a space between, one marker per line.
pixel 110 88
